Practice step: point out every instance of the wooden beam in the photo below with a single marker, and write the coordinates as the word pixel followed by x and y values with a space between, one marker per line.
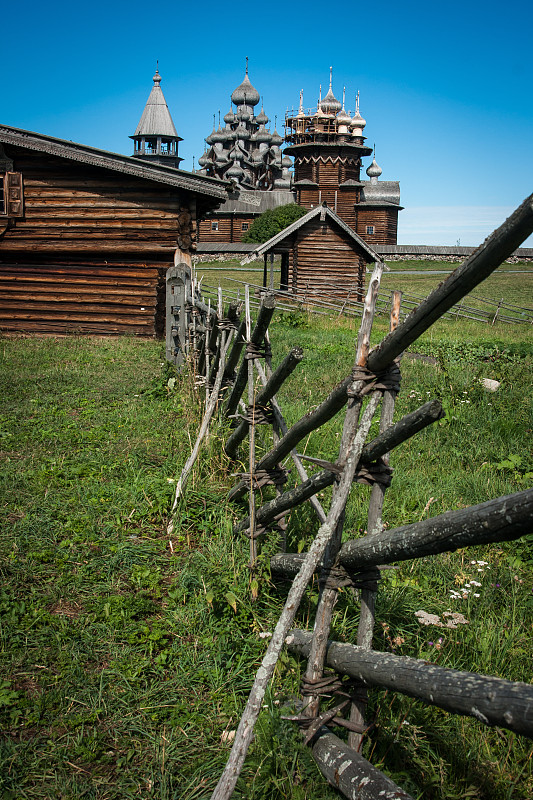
pixel 499 520
pixel 350 773
pixel 492 701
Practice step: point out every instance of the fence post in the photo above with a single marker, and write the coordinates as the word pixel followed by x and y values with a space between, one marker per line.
pixel 177 280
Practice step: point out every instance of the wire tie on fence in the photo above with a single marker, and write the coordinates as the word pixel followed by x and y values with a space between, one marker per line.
pixel 226 324
pixel 338 577
pixel 386 381
pixel 374 472
pixel 257 415
pixel 266 477
pixel 320 462
pixel 262 350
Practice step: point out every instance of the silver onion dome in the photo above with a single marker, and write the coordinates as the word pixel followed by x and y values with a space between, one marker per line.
pixel 374 170
pixel 245 93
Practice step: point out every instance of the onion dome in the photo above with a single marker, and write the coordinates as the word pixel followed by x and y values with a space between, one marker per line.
pixel 235 172
pixel 217 136
pixel 203 159
pixel 245 94
pixel 286 161
pixel 330 104
pixel 243 114
pixel 263 135
pixel 242 132
pixel 358 121
pixel 236 153
pixel 262 118
pixel 258 156
pixel 276 138
pixel 229 117
pixel 374 170
pixel 343 118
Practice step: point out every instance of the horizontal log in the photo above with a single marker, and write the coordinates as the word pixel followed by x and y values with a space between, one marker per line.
pixel 502 519
pixel 350 773
pixel 492 701
pixel 276 380
pixel 405 428
pixel 312 420
pixel 499 246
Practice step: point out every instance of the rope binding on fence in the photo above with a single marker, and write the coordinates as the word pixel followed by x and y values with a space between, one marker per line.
pixel 388 380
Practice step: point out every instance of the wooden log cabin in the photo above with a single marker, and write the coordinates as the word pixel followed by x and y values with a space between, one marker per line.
pixel 320 254
pixel 86 236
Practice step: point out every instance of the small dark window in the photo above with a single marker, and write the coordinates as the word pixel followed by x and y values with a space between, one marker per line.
pixel 245 226
pixel 214 226
pixel 370 229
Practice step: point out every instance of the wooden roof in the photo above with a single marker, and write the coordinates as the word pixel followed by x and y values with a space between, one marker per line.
pixel 169 176
pixel 325 213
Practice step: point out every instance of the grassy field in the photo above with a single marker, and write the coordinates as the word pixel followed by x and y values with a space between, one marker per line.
pixel 127 658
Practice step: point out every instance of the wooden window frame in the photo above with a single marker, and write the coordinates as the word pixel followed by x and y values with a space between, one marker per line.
pixel 370 230
pixel 214 225
pixel 12 202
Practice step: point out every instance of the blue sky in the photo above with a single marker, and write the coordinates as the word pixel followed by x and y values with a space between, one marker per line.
pixel 446 88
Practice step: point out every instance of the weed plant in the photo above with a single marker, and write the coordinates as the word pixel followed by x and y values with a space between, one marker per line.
pixel 127 658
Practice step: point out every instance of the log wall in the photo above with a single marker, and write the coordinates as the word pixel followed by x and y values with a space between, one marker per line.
pixel 66 296
pixel 229 228
pixel 91 252
pixel 384 220
pixel 323 259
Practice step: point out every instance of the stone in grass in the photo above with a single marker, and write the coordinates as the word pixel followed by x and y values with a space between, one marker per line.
pixel 490 385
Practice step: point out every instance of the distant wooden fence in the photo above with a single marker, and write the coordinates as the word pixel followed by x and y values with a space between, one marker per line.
pixel 232 351
pixel 317 303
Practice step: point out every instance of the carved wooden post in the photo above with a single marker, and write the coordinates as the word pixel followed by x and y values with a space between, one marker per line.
pixel 176 317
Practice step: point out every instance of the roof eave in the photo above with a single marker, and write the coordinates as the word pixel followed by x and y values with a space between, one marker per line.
pixel 84 154
pixel 275 240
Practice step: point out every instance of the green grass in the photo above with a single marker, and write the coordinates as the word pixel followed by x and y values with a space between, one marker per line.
pixel 125 657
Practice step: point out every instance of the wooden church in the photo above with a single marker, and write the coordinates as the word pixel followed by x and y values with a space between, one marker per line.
pixel 327 145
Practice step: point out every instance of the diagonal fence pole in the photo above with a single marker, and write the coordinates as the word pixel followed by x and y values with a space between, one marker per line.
pixel 328 594
pixel 355 442
pixel 374 523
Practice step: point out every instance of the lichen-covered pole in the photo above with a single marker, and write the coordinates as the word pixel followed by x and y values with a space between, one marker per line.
pixel 488 256
pixel 365 628
pixel 328 596
pixel 492 701
pixel 350 773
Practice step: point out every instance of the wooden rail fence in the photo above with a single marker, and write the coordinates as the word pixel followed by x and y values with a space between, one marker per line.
pixel 228 353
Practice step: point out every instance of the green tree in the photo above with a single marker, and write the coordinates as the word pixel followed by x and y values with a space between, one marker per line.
pixel 272 222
